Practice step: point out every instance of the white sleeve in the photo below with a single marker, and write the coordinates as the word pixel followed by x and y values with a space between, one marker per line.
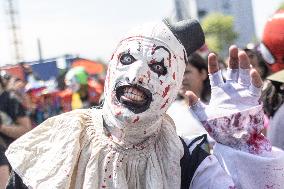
pixel 250 170
pixel 210 175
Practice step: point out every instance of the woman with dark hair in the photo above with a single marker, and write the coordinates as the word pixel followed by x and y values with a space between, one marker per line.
pixel 14 121
pixel 195 79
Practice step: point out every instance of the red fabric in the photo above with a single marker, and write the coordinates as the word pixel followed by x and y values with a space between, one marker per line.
pixel 91 67
pixel 95 90
pixel 65 100
pixel 15 71
pixel 273 38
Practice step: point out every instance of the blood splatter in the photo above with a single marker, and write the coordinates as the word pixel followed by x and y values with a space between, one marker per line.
pixel 164 104
pixel 165 92
pixel 135 120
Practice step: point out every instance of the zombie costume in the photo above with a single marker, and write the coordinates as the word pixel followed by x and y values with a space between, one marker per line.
pixel 131 142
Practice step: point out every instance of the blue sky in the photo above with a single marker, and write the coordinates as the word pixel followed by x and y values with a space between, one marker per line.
pixel 89 28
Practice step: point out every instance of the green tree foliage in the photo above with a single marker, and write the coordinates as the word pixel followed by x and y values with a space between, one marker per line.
pixel 219 32
pixel 281 6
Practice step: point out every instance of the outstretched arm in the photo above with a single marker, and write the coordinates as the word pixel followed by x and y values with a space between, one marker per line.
pixel 234 116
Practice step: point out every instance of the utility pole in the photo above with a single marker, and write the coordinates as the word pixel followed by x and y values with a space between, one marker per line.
pixel 39 50
pixel 14 29
pixel 181 10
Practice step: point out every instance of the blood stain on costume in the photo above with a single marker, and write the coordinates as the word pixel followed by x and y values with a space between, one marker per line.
pixel 164 104
pixel 236 119
pixel 161 82
pixel 257 143
pixel 109 176
pixel 165 92
pixel 174 75
pixel 135 120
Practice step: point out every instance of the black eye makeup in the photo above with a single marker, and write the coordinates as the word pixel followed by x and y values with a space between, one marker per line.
pixel 126 59
pixel 159 68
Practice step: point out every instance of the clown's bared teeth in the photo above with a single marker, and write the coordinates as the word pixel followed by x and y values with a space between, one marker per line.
pixel 134 97
pixel 134 91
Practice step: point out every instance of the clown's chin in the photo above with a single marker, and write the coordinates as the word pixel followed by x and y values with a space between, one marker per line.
pixel 135 98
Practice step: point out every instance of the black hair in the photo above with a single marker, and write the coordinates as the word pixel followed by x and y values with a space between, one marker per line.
pixel 200 64
pixel 4 77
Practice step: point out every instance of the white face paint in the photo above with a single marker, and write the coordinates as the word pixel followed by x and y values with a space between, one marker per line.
pixel 144 75
pixel 142 80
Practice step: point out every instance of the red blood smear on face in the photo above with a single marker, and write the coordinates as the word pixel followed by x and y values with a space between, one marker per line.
pixel 165 92
pixel 135 120
pixel 164 104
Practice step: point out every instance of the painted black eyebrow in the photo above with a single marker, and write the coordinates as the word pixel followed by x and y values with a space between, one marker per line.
pixel 162 47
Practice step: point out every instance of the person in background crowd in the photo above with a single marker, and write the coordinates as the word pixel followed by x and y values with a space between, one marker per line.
pixel 272 50
pixel 256 60
pixel 130 141
pixel 195 79
pixel 14 121
pixel 276 100
pixel 85 90
pixel 258 63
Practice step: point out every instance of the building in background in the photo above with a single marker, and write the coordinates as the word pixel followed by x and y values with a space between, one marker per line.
pixel 241 10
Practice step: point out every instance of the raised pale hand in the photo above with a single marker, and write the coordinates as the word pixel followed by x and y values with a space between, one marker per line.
pixel 234 116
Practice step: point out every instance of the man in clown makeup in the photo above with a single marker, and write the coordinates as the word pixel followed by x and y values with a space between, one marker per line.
pixel 130 142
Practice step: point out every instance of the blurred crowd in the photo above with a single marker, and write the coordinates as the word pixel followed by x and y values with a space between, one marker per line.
pixel 74 89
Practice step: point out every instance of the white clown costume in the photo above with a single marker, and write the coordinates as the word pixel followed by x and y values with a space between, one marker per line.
pixel 130 142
